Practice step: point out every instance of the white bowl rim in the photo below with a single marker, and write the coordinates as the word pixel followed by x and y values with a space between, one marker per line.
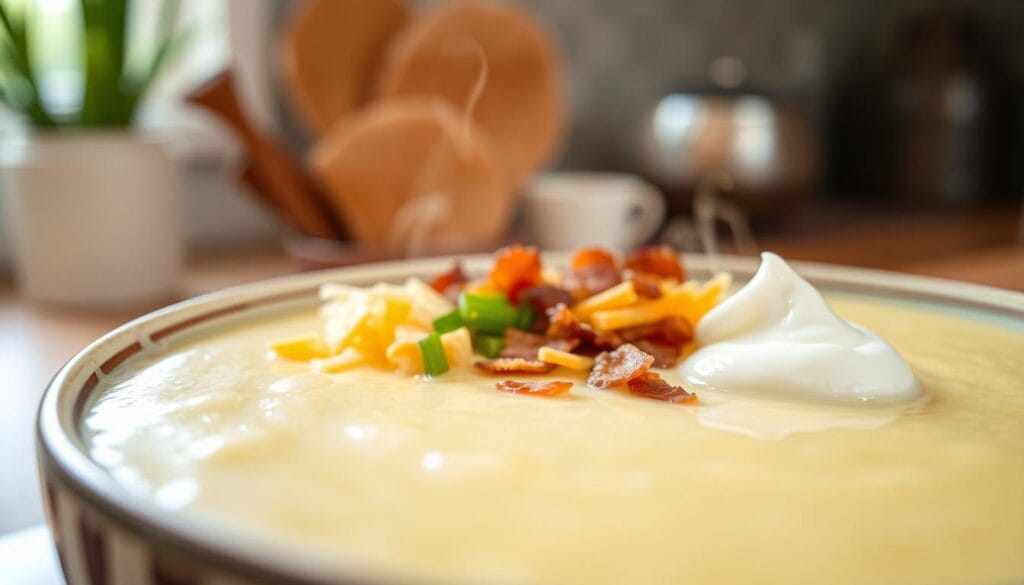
pixel 61 451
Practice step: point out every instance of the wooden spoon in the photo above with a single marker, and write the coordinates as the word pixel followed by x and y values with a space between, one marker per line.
pixel 521 107
pixel 277 178
pixel 329 52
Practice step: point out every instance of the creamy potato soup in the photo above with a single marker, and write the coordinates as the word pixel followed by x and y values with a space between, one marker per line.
pixel 450 480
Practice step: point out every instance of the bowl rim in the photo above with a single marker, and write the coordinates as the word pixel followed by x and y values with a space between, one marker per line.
pixel 62 453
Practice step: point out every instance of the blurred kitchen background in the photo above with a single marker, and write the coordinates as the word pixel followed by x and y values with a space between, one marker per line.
pixel 213 142
pixel 835 121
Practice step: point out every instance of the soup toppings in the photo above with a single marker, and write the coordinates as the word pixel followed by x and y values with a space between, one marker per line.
pixel 614 321
pixel 535 387
pixel 524 318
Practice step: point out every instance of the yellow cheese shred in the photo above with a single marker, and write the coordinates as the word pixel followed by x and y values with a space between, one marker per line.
pixel 620 295
pixel 301 348
pixel 643 313
pixel 563 358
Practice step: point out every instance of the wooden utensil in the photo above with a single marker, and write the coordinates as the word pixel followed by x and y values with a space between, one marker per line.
pixel 277 178
pixel 521 107
pixel 330 50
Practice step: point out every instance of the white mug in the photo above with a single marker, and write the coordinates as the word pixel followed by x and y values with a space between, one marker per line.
pixel 568 210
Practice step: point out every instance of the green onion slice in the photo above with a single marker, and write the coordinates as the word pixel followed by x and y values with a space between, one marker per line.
pixel 526 317
pixel 488 313
pixel 434 361
pixel 489 345
pixel 448 322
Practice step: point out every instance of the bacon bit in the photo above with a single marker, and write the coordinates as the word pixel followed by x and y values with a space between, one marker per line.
pixel 564 325
pixel 665 356
pixel 645 286
pixel 590 280
pixel 516 268
pixel 450 283
pixel 523 345
pixel 535 388
pixel 504 365
pixel 664 340
pixel 675 331
pixel 605 339
pixel 592 270
pixel 657 261
pixel 651 385
pixel 619 366
pixel 585 257
pixel 544 297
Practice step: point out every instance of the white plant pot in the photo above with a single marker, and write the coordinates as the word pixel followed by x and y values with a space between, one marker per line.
pixel 93 217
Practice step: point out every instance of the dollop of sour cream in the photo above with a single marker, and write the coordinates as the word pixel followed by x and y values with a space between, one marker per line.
pixel 777 338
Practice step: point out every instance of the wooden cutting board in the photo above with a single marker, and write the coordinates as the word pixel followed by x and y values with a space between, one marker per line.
pixel 521 107
pixel 394 155
pixel 329 54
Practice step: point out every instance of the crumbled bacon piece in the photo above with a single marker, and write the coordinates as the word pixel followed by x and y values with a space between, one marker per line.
pixel 564 325
pixel 665 356
pixel 657 261
pixel 664 339
pixel 516 268
pixel 651 385
pixel 585 257
pixel 591 271
pixel 505 365
pixel 523 345
pixel 543 297
pixel 591 280
pixel 675 331
pixel 450 283
pixel 645 286
pixel 619 366
pixel 535 388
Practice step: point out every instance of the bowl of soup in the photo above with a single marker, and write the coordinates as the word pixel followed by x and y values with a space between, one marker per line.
pixel 180 448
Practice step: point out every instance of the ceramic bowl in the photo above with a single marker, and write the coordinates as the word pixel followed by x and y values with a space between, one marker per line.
pixel 105 534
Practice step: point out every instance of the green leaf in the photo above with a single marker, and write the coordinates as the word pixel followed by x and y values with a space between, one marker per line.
pixel 105 103
pixel 20 88
pixel 166 53
pixel 5 21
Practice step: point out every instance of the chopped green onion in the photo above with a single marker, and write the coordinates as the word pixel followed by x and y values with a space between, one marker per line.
pixel 434 361
pixel 489 345
pixel 448 322
pixel 489 313
pixel 526 317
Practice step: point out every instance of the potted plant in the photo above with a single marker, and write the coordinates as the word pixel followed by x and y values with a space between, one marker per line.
pixel 92 204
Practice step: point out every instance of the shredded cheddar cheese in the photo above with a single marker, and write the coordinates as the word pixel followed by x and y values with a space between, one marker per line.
pixel 301 347
pixel 672 303
pixel 563 358
pixel 620 295
pixel 707 297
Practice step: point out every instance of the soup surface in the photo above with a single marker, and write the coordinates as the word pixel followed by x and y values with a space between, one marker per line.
pixel 451 479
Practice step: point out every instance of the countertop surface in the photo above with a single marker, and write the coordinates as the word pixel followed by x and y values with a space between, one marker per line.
pixel 36 340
